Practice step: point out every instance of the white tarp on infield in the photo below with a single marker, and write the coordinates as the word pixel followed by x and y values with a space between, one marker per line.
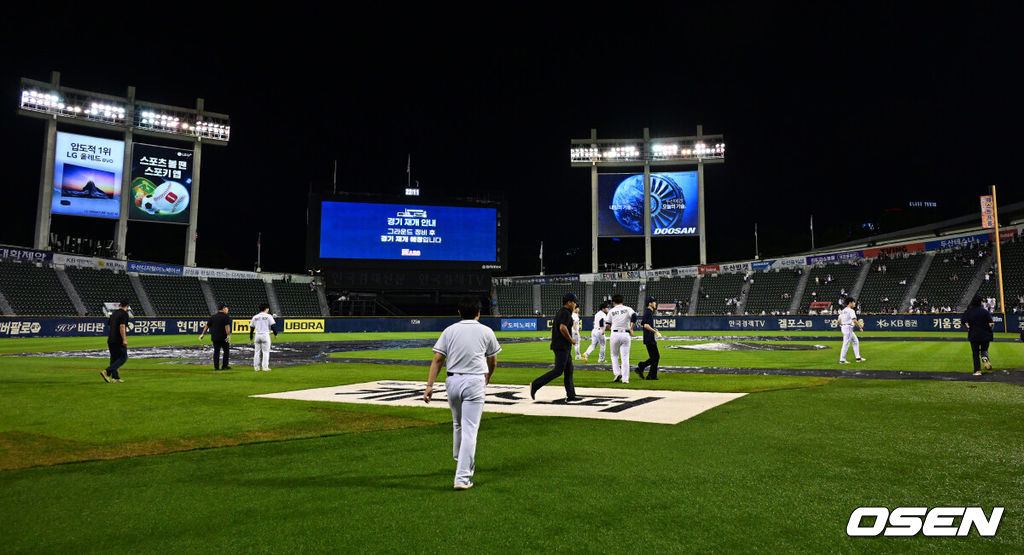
pixel 638 405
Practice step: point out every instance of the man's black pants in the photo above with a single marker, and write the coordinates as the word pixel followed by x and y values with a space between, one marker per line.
pixel 978 349
pixel 563 365
pixel 118 356
pixel 217 346
pixel 651 364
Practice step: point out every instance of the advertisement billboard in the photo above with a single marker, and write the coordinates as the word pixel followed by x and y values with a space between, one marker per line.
pixel 87 176
pixel 372 231
pixel 674 204
pixel 161 185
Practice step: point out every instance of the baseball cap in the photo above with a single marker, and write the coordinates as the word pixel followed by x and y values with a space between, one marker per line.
pixel 570 297
pixel 650 300
pixel 221 306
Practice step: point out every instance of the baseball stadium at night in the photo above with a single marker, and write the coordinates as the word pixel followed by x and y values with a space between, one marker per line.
pixel 753 283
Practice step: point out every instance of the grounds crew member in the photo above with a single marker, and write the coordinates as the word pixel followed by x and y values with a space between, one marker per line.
pixel 650 341
pixel 620 321
pixel 117 343
pixel 220 335
pixel 260 327
pixel 597 334
pixel 847 319
pixel 471 352
pixel 561 343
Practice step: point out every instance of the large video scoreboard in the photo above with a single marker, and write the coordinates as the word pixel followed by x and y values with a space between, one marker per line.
pixel 391 233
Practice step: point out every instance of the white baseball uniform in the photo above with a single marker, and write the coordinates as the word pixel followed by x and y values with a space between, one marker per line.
pixel 621 318
pixel 576 332
pixel 847 319
pixel 261 327
pixel 466 346
pixel 597 335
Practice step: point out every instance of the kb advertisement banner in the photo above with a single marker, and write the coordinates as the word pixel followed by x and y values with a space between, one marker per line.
pixel 87 176
pixel 161 184
pixel 620 204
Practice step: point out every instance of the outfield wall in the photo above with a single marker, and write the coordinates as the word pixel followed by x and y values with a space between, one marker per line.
pixel 86 326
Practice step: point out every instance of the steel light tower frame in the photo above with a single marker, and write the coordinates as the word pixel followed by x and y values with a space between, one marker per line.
pixel 57 104
pixel 646 152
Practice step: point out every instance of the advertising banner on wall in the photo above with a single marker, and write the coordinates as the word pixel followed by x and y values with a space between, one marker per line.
pixel 674 204
pixel 87 176
pixel 88 262
pixel 30 255
pixel 161 184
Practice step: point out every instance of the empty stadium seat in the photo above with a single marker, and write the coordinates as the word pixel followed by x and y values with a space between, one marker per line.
pixel 672 290
pixel 34 290
pixel 515 299
pixel 843 275
pixel 175 295
pixel 892 284
pixel 715 292
pixel 243 296
pixel 98 286
pixel 769 289
pixel 296 299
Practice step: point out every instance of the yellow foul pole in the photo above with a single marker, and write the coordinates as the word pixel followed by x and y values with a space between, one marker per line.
pixel 999 260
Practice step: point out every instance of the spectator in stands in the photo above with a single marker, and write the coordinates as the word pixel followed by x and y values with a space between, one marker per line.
pixel 979 326
pixel 117 343
pixel 220 334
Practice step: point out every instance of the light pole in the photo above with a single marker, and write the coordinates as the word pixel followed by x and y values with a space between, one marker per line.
pixel 646 153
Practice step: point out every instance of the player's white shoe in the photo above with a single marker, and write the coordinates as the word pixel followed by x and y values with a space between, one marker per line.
pixel 861 359
pixel 844 362
pixel 985 361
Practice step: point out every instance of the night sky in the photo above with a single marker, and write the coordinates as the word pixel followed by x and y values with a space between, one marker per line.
pixel 842 114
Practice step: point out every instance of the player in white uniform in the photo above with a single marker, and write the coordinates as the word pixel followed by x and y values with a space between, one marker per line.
pixel 260 328
pixel 847 319
pixel 620 321
pixel 576 332
pixel 597 334
pixel 470 350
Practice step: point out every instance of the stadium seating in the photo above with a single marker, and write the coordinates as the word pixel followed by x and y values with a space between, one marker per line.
pixel 34 290
pixel 175 295
pixel 947 278
pixel 672 290
pixel 716 290
pixel 515 299
pixel 551 296
pixel 97 286
pixel 843 275
pixel 1013 277
pixel 881 285
pixel 771 291
pixel 296 299
pixel 604 290
pixel 243 296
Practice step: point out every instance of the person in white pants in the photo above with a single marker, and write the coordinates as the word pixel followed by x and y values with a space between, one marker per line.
pixel 620 321
pixel 576 332
pixel 847 319
pixel 470 350
pixel 260 328
pixel 597 334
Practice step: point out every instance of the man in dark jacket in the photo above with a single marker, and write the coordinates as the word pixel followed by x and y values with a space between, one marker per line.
pixel 220 334
pixel 979 326
pixel 117 343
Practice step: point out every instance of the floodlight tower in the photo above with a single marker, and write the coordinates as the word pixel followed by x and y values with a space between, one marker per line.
pixel 58 104
pixel 647 152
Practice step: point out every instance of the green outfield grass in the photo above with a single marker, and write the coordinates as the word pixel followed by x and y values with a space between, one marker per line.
pixel 179 458
pixel 916 356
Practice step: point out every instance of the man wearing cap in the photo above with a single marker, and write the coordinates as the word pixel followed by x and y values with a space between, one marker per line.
pixel 260 328
pixel 561 343
pixel 220 334
pixel 117 343
pixel 650 341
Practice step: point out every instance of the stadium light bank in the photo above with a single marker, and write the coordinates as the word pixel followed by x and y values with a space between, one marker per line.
pixel 58 104
pixel 646 152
